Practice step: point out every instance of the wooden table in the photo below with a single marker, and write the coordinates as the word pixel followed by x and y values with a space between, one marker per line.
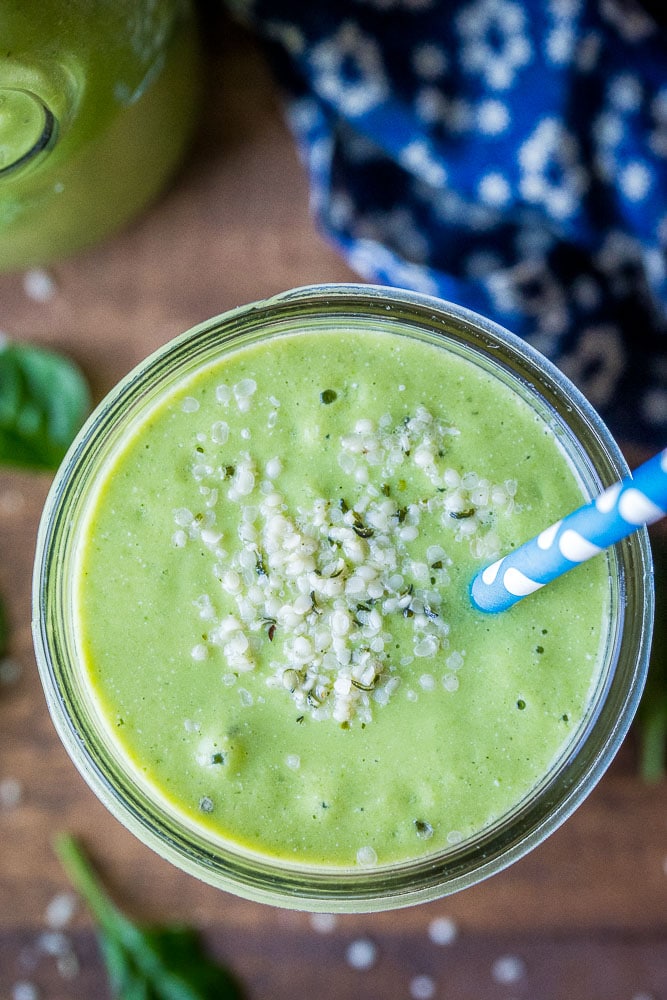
pixel 584 916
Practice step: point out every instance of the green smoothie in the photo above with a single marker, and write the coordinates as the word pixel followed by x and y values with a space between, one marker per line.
pixel 273 606
pixel 97 104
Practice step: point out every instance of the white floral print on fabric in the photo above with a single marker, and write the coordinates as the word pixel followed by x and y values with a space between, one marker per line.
pixel 552 173
pixel 348 70
pixel 495 45
pixel 509 156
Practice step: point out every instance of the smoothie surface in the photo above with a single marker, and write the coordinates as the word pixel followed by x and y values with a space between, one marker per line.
pixel 273 601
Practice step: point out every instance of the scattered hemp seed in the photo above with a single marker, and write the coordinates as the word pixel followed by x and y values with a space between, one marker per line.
pixel 314 593
pixel 11 792
pixel 423 829
pixel 366 857
pixel 361 954
pixel 206 804
pixel 422 988
pixel 508 969
pixel 60 910
pixel 25 991
pixel 10 671
pixel 243 391
pixel 442 931
pixel 12 501
pixel 58 946
pixel 323 923
pixel 39 285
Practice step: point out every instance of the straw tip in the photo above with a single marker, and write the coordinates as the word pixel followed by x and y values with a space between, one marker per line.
pixel 485 598
pixel 499 586
pixel 483 589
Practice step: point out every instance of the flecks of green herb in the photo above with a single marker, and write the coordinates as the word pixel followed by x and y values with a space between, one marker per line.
pixel 44 399
pixel 145 963
pixel 460 515
pixel 260 568
pixel 362 530
pixel 361 686
pixel 328 396
pixel 423 829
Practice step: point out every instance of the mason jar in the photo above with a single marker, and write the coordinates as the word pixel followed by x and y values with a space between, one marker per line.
pixel 97 105
pixel 353 343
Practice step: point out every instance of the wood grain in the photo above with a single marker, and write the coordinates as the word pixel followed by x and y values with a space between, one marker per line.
pixel 585 915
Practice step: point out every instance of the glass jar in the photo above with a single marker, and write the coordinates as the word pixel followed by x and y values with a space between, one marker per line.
pixel 97 104
pixel 591 452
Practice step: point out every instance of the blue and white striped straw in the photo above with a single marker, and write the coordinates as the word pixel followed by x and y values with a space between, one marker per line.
pixel 618 511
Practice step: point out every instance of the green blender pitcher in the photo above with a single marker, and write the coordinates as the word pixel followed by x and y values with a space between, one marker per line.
pixel 97 103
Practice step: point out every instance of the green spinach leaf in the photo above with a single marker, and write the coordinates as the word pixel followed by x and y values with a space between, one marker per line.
pixel 44 399
pixel 145 963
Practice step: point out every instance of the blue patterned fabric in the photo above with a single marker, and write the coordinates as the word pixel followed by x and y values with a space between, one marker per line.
pixel 507 156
